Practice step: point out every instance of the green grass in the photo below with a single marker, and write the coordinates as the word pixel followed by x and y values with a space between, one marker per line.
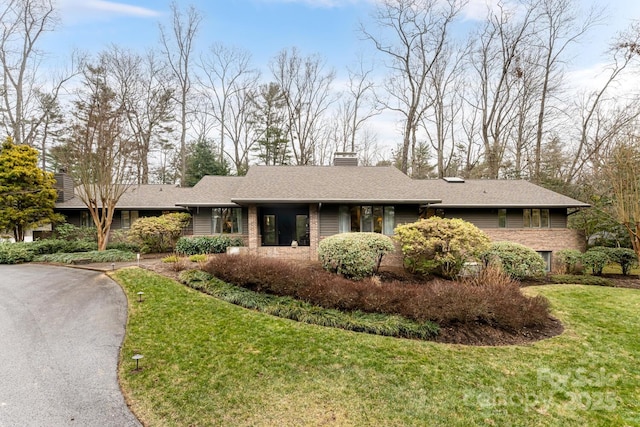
pixel 207 362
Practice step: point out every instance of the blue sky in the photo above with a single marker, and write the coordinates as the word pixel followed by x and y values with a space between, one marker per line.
pixel 265 27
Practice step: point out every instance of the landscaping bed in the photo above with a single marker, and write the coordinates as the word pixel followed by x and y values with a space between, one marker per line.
pixel 495 313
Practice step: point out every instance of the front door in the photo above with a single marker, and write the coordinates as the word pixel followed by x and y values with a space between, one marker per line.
pixel 280 226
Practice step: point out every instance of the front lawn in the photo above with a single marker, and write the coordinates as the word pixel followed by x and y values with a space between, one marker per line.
pixel 207 362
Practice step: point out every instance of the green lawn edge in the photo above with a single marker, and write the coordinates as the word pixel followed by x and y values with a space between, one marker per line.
pixel 208 362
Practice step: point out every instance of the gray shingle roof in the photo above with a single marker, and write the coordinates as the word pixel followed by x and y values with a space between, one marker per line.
pixel 211 191
pixel 485 193
pixel 140 197
pixel 337 184
pixel 329 184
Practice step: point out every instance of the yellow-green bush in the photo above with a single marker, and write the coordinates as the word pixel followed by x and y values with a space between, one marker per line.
pixel 440 246
pixel 157 234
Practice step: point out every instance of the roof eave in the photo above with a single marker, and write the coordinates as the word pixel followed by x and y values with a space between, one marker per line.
pixel 244 201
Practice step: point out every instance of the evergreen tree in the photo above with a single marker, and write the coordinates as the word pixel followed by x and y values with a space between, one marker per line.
pixel 201 161
pixel 270 121
pixel 27 193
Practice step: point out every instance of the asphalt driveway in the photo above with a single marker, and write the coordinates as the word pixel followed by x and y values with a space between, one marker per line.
pixel 60 333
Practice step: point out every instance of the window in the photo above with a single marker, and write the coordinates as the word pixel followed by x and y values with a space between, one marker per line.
pixel 535 218
pixel 226 221
pixel 546 256
pixel 502 218
pixel 85 219
pixel 128 218
pixel 376 219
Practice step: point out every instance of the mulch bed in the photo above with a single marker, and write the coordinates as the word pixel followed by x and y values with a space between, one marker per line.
pixel 477 334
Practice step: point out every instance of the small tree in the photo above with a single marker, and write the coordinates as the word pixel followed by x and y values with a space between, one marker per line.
pixel 439 245
pixel 158 233
pixel 625 257
pixel 27 193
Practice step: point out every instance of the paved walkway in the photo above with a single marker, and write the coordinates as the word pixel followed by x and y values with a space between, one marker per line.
pixel 60 334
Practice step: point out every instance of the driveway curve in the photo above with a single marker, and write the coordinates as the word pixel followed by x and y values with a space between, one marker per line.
pixel 60 333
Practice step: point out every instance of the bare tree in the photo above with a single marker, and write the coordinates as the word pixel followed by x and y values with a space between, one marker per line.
pixel 419 30
pixel 29 100
pixel 142 85
pixel 444 101
pixel 177 44
pixel 621 171
pixel 101 148
pixel 601 117
pixel 228 77
pixel 560 28
pixel 307 90
pixel 497 60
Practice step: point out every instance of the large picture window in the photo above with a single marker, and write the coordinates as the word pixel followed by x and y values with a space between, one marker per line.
pixel 226 221
pixel 535 218
pixel 367 218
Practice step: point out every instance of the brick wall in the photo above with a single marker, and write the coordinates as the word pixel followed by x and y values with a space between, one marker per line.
pixel 314 232
pixel 286 252
pixel 550 239
pixel 254 238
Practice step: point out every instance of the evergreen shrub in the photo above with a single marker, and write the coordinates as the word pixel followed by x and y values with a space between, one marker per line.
pixel 516 260
pixel 440 246
pixel 354 255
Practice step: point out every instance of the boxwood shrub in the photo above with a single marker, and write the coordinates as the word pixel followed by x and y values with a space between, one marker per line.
pixel 354 255
pixel 596 259
pixel 516 260
pixel 206 244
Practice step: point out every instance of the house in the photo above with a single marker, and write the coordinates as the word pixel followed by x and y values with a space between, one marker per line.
pixel 284 211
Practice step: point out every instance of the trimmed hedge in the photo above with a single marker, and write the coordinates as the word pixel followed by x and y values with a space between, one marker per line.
pixel 596 259
pixel 354 255
pixel 440 245
pixel 206 244
pixel 516 260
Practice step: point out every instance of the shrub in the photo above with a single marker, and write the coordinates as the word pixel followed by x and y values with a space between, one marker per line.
pixel 207 244
pixel 596 259
pixel 198 258
pixel 626 258
pixel 52 246
pixel 158 233
pixel 71 232
pixel 15 253
pixel 124 246
pixel 490 299
pixel 516 260
pixel 440 246
pixel 569 259
pixel 574 279
pixel 354 255
pixel 110 255
pixel 170 259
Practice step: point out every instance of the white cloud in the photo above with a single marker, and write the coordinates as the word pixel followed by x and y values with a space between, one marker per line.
pixel 319 3
pixel 88 10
